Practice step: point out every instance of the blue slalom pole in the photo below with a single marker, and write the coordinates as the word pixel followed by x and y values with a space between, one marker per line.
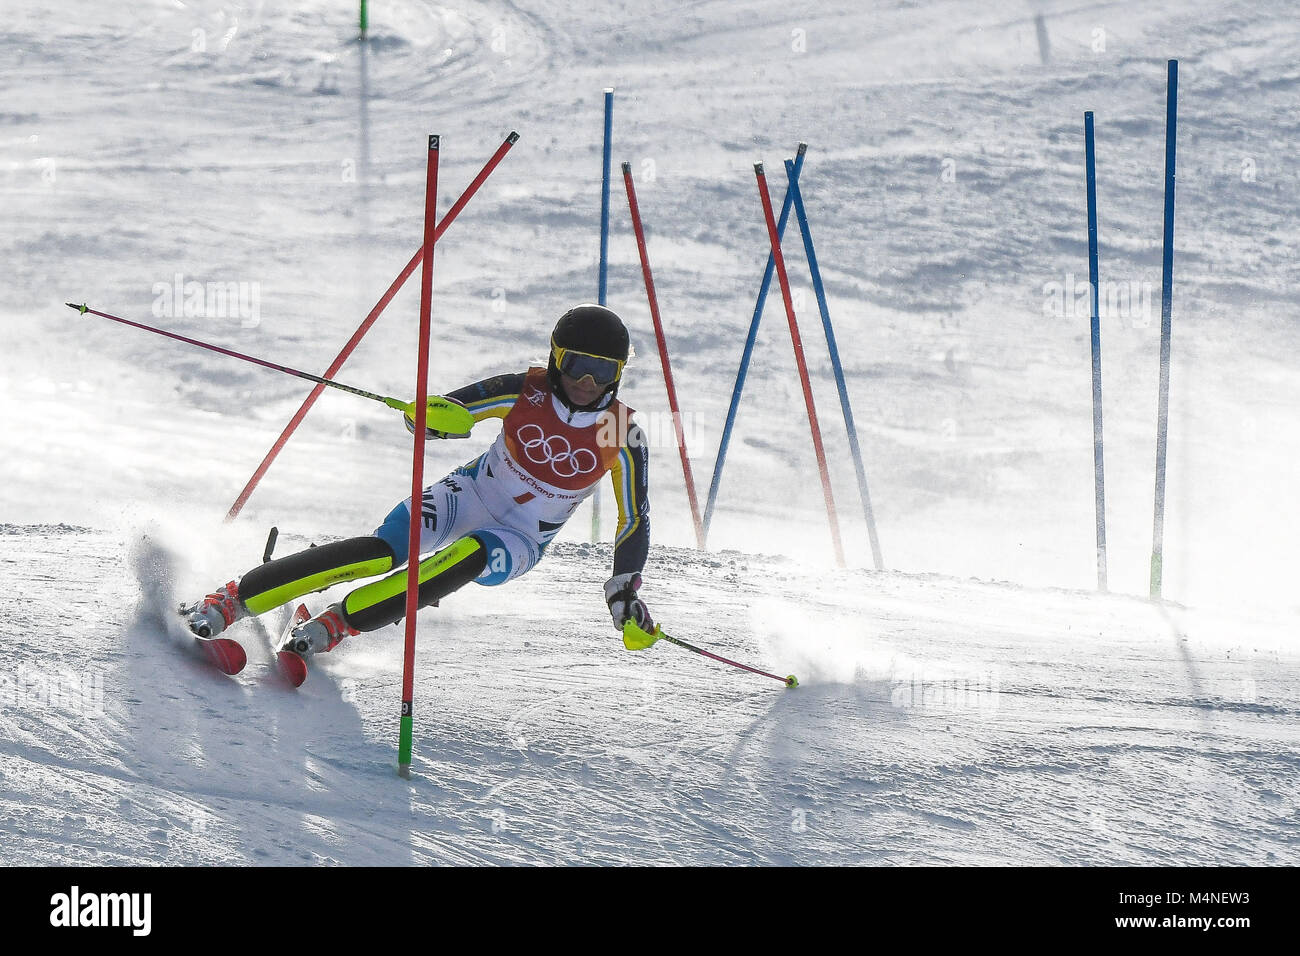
pixel 604 198
pixel 602 281
pixel 748 351
pixel 820 291
pixel 1166 329
pixel 1099 470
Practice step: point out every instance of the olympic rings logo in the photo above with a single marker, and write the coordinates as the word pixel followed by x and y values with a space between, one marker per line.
pixel 555 450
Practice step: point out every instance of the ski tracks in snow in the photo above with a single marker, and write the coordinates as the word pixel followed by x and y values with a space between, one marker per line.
pixel 938 721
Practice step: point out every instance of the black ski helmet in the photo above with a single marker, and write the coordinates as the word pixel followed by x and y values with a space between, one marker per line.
pixel 591 330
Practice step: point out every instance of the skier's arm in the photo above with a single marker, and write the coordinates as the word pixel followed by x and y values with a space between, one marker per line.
pixel 630 476
pixel 632 536
pixel 491 398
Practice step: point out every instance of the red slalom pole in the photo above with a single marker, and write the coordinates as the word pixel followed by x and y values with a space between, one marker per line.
pixel 417 466
pixel 364 327
pixel 663 353
pixel 784 280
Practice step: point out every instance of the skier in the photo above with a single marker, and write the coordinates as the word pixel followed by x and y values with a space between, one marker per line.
pixel 490 520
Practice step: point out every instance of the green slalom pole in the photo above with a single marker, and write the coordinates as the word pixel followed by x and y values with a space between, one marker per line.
pixel 365 17
pixel 405 738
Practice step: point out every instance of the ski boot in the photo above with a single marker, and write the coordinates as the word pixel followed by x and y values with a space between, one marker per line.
pixel 216 612
pixel 321 633
pixel 305 635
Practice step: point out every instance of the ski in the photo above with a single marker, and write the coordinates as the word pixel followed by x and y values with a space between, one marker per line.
pixel 223 653
pixel 227 655
pixel 292 665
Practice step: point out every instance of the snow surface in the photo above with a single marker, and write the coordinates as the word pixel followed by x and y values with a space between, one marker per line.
pixel 978 703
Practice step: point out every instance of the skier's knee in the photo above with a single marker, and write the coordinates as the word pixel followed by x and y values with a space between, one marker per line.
pixel 383 602
pixel 396 529
pixel 498 562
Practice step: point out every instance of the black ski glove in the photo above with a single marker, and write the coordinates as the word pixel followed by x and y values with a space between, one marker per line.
pixel 624 605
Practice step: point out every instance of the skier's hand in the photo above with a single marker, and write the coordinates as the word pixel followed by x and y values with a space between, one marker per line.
pixel 624 605
pixel 432 432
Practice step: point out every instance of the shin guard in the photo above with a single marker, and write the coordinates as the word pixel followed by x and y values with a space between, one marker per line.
pixel 315 569
pixel 373 605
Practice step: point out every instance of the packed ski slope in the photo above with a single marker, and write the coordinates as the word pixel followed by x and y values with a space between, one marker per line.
pixel 978 703
pixel 938 722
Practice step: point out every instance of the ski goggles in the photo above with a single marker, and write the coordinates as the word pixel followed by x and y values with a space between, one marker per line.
pixel 578 365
